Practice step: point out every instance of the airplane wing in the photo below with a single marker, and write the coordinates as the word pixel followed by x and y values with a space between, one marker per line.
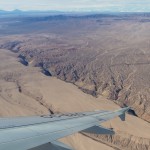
pixel 42 133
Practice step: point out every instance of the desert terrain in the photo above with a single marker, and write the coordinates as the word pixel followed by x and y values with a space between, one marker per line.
pixel 104 55
pixel 25 91
pixel 103 59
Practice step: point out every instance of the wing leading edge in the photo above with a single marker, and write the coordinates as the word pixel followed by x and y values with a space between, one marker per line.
pixel 33 135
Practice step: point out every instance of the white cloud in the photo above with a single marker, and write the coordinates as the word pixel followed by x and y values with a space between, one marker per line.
pixel 103 5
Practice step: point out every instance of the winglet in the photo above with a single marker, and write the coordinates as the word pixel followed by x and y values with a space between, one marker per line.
pixel 123 115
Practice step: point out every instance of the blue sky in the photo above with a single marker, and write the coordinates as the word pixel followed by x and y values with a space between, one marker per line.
pixel 78 5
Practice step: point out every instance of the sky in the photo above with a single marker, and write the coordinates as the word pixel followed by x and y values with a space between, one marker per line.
pixel 78 5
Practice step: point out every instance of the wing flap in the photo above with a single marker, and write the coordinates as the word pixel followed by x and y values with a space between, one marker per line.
pixel 60 145
pixel 99 130
pixel 53 146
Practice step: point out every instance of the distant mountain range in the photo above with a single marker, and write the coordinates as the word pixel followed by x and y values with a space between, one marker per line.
pixel 18 11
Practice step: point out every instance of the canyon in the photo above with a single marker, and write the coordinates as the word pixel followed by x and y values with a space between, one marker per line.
pixel 103 59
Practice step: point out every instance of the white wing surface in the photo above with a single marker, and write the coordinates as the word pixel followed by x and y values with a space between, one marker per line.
pixel 25 133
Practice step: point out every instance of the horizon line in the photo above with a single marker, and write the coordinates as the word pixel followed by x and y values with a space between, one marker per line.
pixel 81 11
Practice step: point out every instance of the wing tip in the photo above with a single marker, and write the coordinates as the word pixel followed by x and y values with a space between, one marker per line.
pixel 123 115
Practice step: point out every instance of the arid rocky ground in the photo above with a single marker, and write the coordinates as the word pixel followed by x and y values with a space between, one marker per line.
pixel 107 57
pixel 25 91
pixel 101 54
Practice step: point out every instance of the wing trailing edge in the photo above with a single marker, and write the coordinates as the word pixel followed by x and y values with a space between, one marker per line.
pixel 61 146
pixel 99 130
pixel 55 145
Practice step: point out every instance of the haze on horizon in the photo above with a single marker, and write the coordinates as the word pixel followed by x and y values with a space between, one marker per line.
pixel 78 5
